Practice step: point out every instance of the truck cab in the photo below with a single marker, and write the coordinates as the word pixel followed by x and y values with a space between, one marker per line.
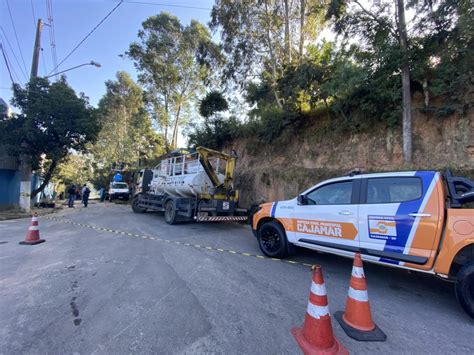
pixel 400 219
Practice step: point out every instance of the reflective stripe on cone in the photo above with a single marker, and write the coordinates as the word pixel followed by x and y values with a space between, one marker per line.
pixel 357 319
pixel 317 336
pixel 32 235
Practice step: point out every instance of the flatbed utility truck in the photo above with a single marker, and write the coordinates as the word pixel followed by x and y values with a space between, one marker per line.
pixel 194 186
pixel 417 220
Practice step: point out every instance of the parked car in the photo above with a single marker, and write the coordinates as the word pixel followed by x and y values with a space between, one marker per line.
pixel 118 191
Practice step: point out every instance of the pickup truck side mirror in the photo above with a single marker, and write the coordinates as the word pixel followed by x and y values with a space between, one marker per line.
pixel 302 200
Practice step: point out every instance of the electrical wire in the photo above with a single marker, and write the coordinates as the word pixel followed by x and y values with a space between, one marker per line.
pixel 16 35
pixel 169 5
pixel 88 35
pixel 53 31
pixel 33 13
pixel 52 35
pixel 6 63
pixel 14 55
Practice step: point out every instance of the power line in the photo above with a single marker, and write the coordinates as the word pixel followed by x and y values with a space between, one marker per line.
pixel 16 35
pixel 53 31
pixel 6 63
pixel 14 55
pixel 15 75
pixel 33 13
pixel 52 35
pixel 169 5
pixel 87 36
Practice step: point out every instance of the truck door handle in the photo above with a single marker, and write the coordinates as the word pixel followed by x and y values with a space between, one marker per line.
pixel 345 213
pixel 420 214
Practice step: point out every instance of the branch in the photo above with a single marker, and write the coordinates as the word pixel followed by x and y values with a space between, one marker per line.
pixel 46 180
pixel 376 19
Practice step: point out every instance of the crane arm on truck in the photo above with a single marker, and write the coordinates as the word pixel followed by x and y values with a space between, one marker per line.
pixel 225 188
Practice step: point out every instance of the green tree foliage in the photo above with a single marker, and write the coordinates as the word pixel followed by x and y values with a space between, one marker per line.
pixel 260 38
pixel 174 63
pixel 52 121
pixel 356 80
pixel 213 102
pixel 216 129
pixel 440 47
pixel 127 134
pixel 76 169
pixel 216 133
pixel 443 52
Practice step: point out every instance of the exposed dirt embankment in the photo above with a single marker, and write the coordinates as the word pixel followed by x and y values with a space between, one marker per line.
pixel 303 156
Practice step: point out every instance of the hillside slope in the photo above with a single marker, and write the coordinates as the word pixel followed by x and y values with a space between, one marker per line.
pixel 303 156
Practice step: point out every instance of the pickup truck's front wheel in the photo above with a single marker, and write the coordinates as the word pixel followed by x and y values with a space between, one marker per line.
pixel 465 288
pixel 272 240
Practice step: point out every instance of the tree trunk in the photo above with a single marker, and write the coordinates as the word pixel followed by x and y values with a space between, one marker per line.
pixel 25 180
pixel 301 44
pixel 287 32
pixel 175 130
pixel 46 180
pixel 273 62
pixel 166 124
pixel 426 92
pixel 406 94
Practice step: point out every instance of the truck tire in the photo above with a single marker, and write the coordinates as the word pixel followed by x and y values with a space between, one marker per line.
pixel 135 206
pixel 465 288
pixel 272 240
pixel 170 212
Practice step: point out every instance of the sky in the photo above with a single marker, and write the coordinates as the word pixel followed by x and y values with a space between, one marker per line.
pixel 73 20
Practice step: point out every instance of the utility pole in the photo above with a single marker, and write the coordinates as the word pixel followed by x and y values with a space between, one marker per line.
pixel 37 49
pixel 25 158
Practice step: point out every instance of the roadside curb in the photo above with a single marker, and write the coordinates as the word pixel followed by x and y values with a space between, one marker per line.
pixel 9 215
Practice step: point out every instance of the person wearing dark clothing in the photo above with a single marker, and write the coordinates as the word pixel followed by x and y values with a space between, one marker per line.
pixel 102 194
pixel 72 195
pixel 85 195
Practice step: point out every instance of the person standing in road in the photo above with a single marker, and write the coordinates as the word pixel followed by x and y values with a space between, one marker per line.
pixel 102 194
pixel 72 196
pixel 85 195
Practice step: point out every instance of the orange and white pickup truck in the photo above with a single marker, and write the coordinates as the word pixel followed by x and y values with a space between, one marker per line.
pixel 414 220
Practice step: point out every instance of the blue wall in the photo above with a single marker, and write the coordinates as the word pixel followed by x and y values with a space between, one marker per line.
pixel 9 187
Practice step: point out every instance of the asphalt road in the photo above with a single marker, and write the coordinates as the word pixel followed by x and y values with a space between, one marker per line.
pixel 111 281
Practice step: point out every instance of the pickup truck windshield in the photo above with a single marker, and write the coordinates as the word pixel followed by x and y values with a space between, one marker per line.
pixel 119 185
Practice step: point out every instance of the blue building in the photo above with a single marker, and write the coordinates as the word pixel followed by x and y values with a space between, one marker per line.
pixel 9 181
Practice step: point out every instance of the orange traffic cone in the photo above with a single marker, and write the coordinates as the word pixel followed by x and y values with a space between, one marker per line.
pixel 316 336
pixel 33 236
pixel 357 319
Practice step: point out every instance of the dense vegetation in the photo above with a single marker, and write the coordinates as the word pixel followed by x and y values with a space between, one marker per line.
pixel 279 63
pixel 286 76
pixel 53 121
